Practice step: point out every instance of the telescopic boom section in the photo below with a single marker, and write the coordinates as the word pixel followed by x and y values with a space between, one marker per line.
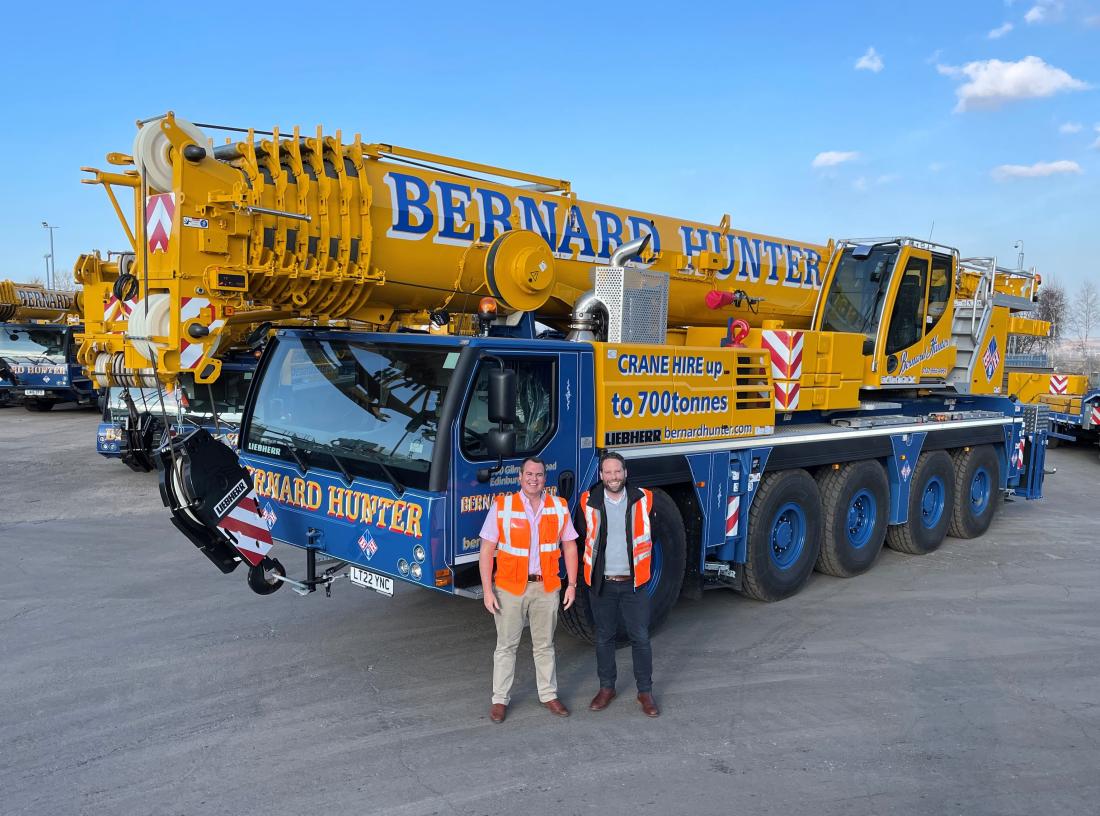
pixel 312 227
pixel 29 301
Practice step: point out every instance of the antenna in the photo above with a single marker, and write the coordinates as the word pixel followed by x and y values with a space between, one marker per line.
pixel 930 229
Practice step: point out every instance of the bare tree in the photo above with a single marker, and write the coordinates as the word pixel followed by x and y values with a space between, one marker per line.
pixel 1084 319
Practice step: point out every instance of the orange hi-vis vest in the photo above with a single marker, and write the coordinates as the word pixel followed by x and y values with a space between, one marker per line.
pixel 514 541
pixel 641 537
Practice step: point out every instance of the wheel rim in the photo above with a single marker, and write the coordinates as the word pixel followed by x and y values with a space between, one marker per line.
pixel 862 514
pixel 931 502
pixel 788 535
pixel 980 490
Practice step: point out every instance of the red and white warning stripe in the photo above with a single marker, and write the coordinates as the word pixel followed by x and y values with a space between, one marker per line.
pixel 160 209
pixel 191 309
pixel 116 309
pixel 1058 383
pixel 245 524
pixel 1095 416
pixel 785 350
pixel 733 514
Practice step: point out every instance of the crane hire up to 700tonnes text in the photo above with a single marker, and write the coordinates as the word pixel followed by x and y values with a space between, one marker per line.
pixel 791 405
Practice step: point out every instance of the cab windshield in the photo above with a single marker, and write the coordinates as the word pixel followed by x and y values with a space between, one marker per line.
pixel 354 405
pixel 858 290
pixel 35 342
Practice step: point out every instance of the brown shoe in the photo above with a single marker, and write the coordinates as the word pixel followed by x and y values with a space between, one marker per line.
pixel 648 706
pixel 497 712
pixel 602 699
pixel 556 707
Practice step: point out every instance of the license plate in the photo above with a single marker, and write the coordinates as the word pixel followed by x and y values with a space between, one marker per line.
pixel 34 392
pixel 371 580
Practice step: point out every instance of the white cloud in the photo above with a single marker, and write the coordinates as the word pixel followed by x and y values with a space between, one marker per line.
pixel 1070 127
pixel 831 158
pixel 1044 11
pixel 862 184
pixel 1000 31
pixel 1006 172
pixel 1096 144
pixel 870 61
pixel 993 82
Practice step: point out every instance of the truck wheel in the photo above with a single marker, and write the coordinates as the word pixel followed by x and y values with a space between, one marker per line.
pixel 931 504
pixel 855 502
pixel 666 572
pixel 1053 442
pixel 38 404
pixel 977 491
pixel 784 535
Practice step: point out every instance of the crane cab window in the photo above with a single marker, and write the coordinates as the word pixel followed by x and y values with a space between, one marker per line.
pixel 535 416
pixel 939 289
pixel 907 319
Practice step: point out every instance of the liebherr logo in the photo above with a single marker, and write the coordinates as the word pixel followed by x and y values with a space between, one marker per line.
pixel 230 498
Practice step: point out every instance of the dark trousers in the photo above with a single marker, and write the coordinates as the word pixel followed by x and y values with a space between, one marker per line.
pixel 620 602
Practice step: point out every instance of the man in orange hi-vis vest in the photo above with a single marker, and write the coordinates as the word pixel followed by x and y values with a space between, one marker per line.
pixel 618 546
pixel 525 533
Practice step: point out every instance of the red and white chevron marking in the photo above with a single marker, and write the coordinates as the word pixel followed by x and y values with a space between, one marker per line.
pixel 115 309
pixel 190 309
pixel 785 350
pixel 247 527
pixel 159 212
pixel 1058 383
pixel 733 513
pixel 1095 416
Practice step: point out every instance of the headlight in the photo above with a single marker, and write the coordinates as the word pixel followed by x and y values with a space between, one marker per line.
pixel 417 571
pixel 419 553
pixel 403 567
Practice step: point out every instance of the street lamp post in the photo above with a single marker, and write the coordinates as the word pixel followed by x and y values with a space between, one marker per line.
pixel 52 267
pixel 47 257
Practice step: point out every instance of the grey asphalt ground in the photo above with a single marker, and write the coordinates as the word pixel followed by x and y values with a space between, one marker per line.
pixel 136 679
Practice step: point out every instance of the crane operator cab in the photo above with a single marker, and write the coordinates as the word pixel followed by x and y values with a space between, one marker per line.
pixel 897 293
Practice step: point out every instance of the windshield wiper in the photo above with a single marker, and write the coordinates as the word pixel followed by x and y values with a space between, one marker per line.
pixel 291 445
pixel 357 446
pixel 343 470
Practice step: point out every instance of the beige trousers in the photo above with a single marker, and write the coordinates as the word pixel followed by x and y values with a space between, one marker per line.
pixel 540 609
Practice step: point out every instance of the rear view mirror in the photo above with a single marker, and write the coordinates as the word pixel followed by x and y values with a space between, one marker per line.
pixel 502 396
pixel 862 252
pixel 501 444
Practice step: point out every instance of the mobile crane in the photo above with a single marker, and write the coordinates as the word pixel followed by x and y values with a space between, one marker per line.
pixel 792 405
pixel 38 329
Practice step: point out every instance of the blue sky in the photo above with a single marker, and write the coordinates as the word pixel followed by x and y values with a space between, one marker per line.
pixel 806 121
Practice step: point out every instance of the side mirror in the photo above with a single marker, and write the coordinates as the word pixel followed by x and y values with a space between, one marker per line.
pixel 862 252
pixel 868 346
pixel 501 444
pixel 502 396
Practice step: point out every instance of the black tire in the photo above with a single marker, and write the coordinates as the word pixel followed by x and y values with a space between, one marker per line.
pixel 38 404
pixel 930 508
pixel 784 535
pixel 977 491
pixel 258 580
pixel 855 509
pixel 1053 442
pixel 669 560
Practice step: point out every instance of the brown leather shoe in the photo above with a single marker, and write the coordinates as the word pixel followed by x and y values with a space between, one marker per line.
pixel 602 699
pixel 556 707
pixel 649 707
pixel 497 712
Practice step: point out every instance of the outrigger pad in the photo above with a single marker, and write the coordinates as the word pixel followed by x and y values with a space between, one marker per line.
pixel 201 480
